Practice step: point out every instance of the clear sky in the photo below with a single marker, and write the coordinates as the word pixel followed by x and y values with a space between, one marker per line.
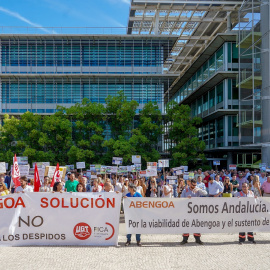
pixel 64 13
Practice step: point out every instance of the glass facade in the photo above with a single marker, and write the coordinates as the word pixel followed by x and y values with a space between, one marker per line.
pixel 41 72
pixel 42 95
pixel 88 55
pixel 216 63
pixel 250 77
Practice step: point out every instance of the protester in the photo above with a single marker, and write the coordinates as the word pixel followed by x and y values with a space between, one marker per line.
pixel 200 184
pixel 58 187
pixel 71 184
pixel 263 178
pixel 153 187
pixel 180 186
pixel 125 188
pixel 3 189
pixel 199 174
pixel 245 193
pixel 132 193
pixel 46 185
pixel 266 187
pixel 139 188
pixel 235 184
pixel 188 192
pixel 256 186
pixel 118 186
pixel 8 180
pixel 23 187
pixel 80 188
pixel 206 179
pixel 228 187
pixel 215 189
pixel 241 180
pixel 96 186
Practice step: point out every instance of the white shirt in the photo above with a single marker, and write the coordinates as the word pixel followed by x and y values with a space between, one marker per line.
pixel 118 187
pixel 168 189
pixel 26 189
pixel 139 189
pixel 262 179
pixel 125 191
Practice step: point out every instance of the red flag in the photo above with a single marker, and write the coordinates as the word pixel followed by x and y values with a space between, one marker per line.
pixel 37 183
pixel 56 176
pixel 16 172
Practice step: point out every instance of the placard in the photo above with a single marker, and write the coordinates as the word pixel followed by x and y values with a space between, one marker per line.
pixel 151 172
pixel 114 169
pixel 24 170
pixel 80 165
pixel 179 172
pixel 117 161
pixel 232 167
pixel 3 167
pixel 21 160
pixel 216 162
pixel 172 179
pixel 163 163
pixel 142 173
pixel 70 168
pixel 136 159
pixel 151 164
pixel 191 175
pixel 49 171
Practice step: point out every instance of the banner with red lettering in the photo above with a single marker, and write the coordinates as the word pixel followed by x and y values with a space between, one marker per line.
pixel 80 219
pixel 196 215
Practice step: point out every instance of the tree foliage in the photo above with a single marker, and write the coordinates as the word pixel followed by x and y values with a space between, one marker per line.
pixel 95 133
pixel 186 148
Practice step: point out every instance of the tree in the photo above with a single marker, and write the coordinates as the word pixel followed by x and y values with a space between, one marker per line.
pixel 182 132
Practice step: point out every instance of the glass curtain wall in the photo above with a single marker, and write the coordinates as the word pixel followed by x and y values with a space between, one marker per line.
pixel 250 78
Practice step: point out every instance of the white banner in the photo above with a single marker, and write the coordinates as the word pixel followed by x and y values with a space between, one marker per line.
pixel 3 167
pixel 136 159
pixel 86 219
pixel 196 215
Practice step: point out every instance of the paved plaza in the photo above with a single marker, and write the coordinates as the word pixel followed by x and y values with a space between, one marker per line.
pixel 221 251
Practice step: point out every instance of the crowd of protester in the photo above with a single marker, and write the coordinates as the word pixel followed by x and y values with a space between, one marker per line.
pixel 204 184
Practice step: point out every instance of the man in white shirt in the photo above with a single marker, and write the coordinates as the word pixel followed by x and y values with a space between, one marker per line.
pixel 263 178
pixel 23 187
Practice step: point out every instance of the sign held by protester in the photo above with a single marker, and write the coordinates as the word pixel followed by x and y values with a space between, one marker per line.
pixel 80 165
pixel 163 163
pixel 117 160
pixel 136 159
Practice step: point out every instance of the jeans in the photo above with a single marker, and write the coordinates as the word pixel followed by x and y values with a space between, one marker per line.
pixel 138 237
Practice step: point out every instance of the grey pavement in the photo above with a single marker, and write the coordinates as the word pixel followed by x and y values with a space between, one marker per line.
pixel 221 251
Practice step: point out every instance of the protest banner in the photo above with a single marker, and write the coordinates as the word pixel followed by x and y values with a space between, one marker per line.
pixel 2 167
pixel 40 164
pixel 216 162
pixel 122 169
pixel 138 167
pixel 103 169
pixel 114 169
pixel 80 165
pixel 196 215
pixel 117 160
pixel 142 173
pixel 136 159
pixel 45 219
pixel 191 175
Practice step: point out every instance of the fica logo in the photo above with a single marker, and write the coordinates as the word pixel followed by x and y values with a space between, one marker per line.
pixel 82 231
pixel 106 231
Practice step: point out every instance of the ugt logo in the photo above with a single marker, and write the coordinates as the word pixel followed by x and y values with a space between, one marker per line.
pixel 82 231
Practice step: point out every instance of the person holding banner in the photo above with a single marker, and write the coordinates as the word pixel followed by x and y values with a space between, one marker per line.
pixel 188 192
pixel 245 193
pixel 24 187
pixel 47 185
pixel 132 193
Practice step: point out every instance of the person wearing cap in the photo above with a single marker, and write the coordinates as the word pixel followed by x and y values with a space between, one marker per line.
pixel 245 193
pixel 192 191
pixel 132 193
